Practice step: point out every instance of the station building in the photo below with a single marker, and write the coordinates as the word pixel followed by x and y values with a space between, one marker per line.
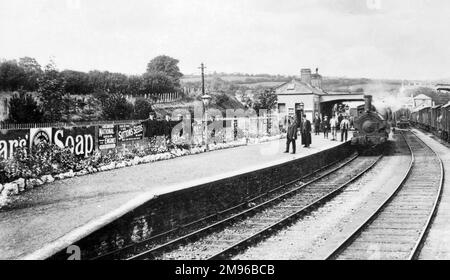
pixel 422 101
pixel 306 96
pixel 301 95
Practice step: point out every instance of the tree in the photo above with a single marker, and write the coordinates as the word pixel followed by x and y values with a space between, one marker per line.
pixel 23 108
pixel 101 96
pixel 135 85
pixel 157 83
pixel 265 100
pixel 117 107
pixel 76 82
pixel 166 65
pixel 142 108
pixel 51 90
pixel 32 70
pixel 91 109
pixel 12 76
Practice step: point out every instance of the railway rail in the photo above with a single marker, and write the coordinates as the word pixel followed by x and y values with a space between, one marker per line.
pixel 183 233
pixel 398 228
pixel 229 236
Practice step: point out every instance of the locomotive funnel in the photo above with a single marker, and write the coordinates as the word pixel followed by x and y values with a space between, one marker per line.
pixel 368 103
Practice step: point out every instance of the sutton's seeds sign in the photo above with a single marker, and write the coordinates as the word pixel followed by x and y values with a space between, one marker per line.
pixel 129 132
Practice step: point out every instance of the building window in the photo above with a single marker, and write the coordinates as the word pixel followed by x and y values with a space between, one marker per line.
pixel 281 108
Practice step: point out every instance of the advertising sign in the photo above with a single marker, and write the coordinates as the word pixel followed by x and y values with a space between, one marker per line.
pixel 107 137
pixel 129 132
pixel 40 135
pixel 80 140
pixel 10 140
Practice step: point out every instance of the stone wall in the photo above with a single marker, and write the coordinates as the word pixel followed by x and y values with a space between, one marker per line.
pixel 181 207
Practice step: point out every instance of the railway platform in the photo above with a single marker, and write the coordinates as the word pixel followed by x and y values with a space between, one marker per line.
pixel 437 243
pixel 45 219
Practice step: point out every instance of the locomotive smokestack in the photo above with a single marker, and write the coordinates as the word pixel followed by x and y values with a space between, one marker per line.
pixel 368 103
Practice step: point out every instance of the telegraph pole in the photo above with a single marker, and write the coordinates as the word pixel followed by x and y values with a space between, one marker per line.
pixel 203 78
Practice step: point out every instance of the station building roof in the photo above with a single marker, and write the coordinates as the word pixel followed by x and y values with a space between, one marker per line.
pixel 422 96
pixel 298 87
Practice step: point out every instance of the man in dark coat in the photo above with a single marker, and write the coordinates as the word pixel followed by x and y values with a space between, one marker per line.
pixel 151 126
pixel 291 135
pixel 325 127
pixel 306 132
pixel 345 126
pixel 317 122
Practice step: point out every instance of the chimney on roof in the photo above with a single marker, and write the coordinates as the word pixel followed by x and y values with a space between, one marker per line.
pixel 306 76
pixel 317 71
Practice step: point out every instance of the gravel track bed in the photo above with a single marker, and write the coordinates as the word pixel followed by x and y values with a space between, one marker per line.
pixel 317 234
pixel 181 232
pixel 416 204
pixel 202 249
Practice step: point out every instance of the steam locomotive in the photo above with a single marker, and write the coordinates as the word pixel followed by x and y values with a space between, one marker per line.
pixel 372 126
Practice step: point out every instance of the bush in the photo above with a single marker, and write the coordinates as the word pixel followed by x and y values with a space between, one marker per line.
pixel 24 109
pixel 43 159
pixel 142 109
pixel 117 107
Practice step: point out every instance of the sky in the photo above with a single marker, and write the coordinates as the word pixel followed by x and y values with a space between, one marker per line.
pixel 393 39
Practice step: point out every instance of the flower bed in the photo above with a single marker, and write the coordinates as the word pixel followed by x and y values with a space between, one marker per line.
pixel 47 163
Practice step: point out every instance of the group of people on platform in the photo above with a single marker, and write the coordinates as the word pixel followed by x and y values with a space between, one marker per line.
pixel 341 123
pixel 154 127
pixel 292 133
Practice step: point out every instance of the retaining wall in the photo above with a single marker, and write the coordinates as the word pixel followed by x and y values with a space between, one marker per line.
pixel 170 210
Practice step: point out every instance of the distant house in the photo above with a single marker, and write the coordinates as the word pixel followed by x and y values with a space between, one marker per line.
pixel 422 101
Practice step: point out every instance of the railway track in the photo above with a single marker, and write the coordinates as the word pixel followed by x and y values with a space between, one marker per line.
pixel 398 228
pixel 186 232
pixel 227 237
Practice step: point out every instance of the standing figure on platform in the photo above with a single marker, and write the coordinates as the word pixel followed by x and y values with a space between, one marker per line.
pixel 151 126
pixel 325 127
pixel 339 119
pixel 333 126
pixel 345 126
pixel 291 135
pixel 306 132
pixel 317 122
pixel 167 128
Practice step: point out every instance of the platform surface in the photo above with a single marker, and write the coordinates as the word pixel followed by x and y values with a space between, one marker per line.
pixel 64 210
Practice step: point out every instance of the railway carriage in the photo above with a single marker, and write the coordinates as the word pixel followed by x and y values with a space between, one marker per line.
pixel 424 120
pixel 434 119
pixel 445 122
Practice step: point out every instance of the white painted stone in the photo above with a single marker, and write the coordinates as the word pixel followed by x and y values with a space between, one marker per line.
pixel 48 179
pixel 20 184
pixel 39 182
pixel 11 189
